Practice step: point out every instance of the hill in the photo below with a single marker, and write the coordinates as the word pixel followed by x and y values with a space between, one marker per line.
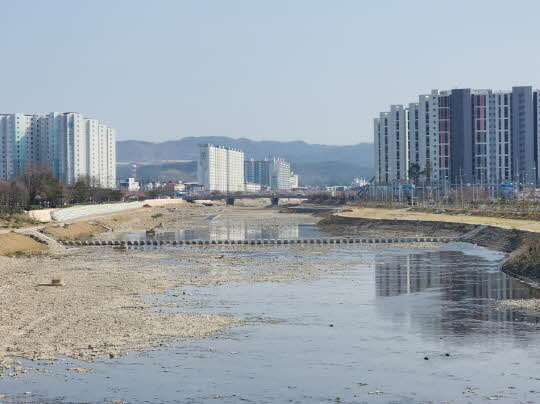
pixel 296 151
pixel 316 164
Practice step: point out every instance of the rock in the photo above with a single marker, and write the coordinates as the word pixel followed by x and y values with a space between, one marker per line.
pixel 57 282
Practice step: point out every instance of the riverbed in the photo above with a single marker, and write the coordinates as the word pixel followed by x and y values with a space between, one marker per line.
pixel 416 323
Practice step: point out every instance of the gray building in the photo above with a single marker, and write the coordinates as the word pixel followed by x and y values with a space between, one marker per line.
pixel 524 137
pixel 461 136
pixel 462 140
pixel 274 173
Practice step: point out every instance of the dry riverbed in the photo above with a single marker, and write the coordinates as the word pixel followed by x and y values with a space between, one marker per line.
pixel 101 308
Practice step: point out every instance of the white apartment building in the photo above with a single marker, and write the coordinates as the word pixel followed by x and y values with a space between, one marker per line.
pixel 68 144
pixel 221 168
pixel 280 173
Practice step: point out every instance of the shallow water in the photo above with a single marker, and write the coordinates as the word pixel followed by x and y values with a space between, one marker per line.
pixel 356 335
pixel 233 230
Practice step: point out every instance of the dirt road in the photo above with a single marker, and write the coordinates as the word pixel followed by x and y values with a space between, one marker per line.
pixel 405 214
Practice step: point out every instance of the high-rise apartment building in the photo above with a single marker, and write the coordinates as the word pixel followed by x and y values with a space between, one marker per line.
pixel 68 144
pixel 221 168
pixel 461 136
pixel 274 173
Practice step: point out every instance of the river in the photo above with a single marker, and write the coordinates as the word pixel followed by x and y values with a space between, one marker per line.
pixel 399 324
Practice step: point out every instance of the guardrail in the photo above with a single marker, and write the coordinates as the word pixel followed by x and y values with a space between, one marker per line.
pixel 261 241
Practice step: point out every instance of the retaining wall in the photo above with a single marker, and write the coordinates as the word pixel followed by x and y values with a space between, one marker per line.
pixel 85 210
pixel 495 238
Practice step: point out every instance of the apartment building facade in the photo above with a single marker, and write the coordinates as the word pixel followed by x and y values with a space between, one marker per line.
pixel 220 168
pixel 273 172
pixel 68 144
pixel 461 136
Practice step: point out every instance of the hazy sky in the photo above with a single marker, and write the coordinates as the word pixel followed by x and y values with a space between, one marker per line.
pixel 308 70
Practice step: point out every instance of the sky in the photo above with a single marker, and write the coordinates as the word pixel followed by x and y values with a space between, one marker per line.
pixel 310 70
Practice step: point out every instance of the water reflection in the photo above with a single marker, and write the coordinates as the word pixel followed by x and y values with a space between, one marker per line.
pixel 234 230
pixel 466 287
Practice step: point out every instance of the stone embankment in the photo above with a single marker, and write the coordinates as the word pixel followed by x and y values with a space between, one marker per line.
pixel 523 246
pixel 347 240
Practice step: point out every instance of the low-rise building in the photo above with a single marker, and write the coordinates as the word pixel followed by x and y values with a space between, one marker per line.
pixel 129 184
pixel 252 187
pixel 293 180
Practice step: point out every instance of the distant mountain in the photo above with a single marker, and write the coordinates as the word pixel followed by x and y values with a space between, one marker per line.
pixel 173 171
pixel 331 172
pixel 316 164
pixel 295 152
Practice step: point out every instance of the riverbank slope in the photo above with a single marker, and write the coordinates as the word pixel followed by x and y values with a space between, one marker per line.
pixel 519 238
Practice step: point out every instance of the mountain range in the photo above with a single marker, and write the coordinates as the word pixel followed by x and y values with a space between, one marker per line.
pixel 316 164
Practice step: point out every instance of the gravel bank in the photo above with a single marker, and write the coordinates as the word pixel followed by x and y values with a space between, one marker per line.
pixel 99 311
pixel 102 311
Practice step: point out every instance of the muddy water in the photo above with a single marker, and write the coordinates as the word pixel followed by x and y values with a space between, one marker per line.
pixel 398 325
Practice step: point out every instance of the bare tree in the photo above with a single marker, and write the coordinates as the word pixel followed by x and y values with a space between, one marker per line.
pixel 13 197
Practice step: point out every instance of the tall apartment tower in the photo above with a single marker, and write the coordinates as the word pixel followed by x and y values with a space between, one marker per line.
pixel 273 172
pixel 68 144
pixel 536 98
pixel 391 143
pixel 463 136
pixel 523 134
pixel 380 136
pixel 221 168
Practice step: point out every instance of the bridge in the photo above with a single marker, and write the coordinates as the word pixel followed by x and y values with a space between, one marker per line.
pixel 230 198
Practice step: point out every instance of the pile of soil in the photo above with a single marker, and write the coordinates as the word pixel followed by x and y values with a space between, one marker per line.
pixel 14 244
pixel 74 231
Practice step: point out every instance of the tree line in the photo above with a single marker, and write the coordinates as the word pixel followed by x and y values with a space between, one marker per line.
pixel 36 187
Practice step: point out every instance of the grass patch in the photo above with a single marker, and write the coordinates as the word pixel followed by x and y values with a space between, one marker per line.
pixel 16 254
pixel 155 216
pixel 525 261
pixel 16 220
